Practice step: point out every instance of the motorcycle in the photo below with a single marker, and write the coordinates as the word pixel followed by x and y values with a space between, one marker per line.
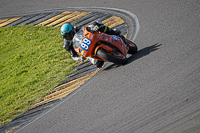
pixel 102 47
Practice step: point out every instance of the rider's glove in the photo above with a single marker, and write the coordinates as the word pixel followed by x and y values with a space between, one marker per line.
pixel 95 28
pixel 99 28
pixel 97 25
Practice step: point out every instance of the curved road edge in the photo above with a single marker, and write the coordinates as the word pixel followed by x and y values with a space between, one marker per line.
pixel 130 18
pixel 133 29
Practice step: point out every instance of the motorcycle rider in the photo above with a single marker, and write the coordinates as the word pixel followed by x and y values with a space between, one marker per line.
pixel 68 31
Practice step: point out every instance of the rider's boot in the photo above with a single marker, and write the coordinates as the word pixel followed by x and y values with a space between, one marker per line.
pixel 116 31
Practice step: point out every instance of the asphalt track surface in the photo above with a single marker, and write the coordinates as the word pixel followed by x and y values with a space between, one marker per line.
pixel 157 91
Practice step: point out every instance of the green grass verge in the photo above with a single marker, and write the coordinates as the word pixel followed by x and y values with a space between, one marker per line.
pixel 33 61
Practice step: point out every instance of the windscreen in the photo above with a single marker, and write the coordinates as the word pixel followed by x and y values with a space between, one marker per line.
pixel 78 38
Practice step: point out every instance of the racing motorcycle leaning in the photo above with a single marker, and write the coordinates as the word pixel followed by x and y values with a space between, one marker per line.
pixel 102 47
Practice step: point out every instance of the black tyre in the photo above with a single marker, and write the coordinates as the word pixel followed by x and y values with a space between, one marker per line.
pixel 114 57
pixel 99 64
pixel 132 47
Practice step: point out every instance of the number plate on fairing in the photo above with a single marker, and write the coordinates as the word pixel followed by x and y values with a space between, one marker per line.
pixel 86 44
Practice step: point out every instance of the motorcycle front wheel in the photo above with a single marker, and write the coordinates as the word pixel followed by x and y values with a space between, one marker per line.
pixel 114 57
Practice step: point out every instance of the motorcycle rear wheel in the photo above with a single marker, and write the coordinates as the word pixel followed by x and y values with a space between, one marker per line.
pixel 132 47
pixel 114 57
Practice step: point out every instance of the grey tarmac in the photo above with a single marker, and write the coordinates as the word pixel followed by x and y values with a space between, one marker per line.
pixel 157 91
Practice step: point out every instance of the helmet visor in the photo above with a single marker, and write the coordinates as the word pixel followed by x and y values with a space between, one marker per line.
pixel 70 35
